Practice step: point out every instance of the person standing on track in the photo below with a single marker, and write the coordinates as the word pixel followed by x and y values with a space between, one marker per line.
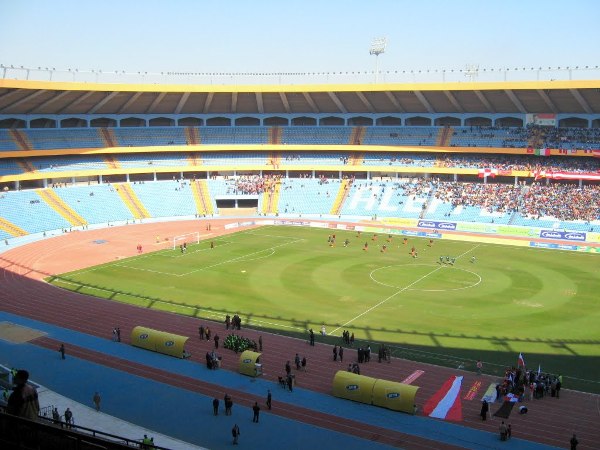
pixel 61 350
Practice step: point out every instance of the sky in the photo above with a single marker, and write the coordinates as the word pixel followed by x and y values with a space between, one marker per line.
pixel 297 36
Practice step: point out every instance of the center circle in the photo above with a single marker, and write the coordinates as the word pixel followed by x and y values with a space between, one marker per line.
pixel 433 277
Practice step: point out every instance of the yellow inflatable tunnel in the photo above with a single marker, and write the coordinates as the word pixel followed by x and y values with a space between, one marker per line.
pixel 159 341
pixel 396 396
pixel 350 386
pixel 250 363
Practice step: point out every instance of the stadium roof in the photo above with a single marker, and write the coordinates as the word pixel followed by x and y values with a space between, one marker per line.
pixel 47 97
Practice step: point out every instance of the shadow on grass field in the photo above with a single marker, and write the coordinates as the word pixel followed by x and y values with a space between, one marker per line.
pixel 580 371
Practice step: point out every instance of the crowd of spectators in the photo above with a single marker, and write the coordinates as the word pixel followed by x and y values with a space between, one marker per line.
pixel 562 201
pixel 490 197
pixel 571 138
pixel 252 184
pixel 528 384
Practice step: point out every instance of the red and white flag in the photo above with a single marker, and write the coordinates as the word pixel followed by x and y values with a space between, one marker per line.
pixel 483 173
pixel 521 361
pixel 445 403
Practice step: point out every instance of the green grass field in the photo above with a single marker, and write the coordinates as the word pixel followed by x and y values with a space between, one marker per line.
pixel 542 303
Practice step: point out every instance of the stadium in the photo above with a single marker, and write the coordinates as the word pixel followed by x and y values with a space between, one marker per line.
pixel 390 263
pixel 477 172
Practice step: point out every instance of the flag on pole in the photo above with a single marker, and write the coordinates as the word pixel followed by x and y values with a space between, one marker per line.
pixel 539 369
pixel 521 361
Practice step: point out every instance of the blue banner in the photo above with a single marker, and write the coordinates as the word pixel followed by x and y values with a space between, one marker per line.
pixel 554 246
pixel 436 224
pixel 564 235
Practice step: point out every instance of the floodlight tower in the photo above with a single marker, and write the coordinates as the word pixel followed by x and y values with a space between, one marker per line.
pixel 377 48
pixel 472 71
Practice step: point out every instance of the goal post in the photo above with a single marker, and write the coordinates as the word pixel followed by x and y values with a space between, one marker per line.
pixel 189 238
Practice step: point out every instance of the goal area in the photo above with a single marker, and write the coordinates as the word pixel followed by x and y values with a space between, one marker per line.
pixel 189 238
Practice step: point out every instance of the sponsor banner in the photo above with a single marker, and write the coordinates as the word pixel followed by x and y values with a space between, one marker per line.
pixel 516 231
pixel 589 249
pixel 341 226
pixel 293 223
pixel 319 225
pixel 554 246
pixel 436 224
pixel 396 221
pixel 229 226
pixel 563 235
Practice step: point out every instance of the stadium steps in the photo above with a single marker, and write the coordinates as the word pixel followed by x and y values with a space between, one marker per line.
pixel 59 205
pixel 357 159
pixel 11 228
pixel 340 198
pixel 444 136
pixel 357 135
pixel 275 135
pixel 194 159
pixel 112 162
pixel 192 137
pixel 20 139
pixel 132 201
pixel 274 159
pixel 270 206
pixel 108 137
pixel 26 165
pixel 202 197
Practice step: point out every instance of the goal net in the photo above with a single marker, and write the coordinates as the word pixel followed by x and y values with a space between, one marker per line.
pixel 189 238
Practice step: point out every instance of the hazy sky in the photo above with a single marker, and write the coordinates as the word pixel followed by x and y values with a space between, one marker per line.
pixel 287 36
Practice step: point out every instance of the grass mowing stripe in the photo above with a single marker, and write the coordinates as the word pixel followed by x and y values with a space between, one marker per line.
pixel 400 291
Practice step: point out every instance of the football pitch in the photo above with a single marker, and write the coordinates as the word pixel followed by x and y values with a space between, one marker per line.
pixel 486 301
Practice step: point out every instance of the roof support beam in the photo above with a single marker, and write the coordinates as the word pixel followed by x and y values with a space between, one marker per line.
pixel 102 102
pixel 207 102
pixel 454 101
pixel 547 100
pixel 286 103
pixel 77 101
pixel 582 102
pixel 424 102
pixel 311 102
pixel 366 102
pixel 49 101
pixel 485 101
pixel 156 101
pixel 234 99
pixel 181 102
pixel 259 103
pixel 515 100
pixel 129 102
pixel 394 101
pixel 10 94
pixel 24 99
pixel 337 102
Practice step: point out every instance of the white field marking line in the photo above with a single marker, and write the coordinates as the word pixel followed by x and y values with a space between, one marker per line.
pixel 426 290
pixel 146 270
pixel 240 257
pixel 268 235
pixel 262 257
pixel 398 292
pixel 195 251
pixel 211 312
